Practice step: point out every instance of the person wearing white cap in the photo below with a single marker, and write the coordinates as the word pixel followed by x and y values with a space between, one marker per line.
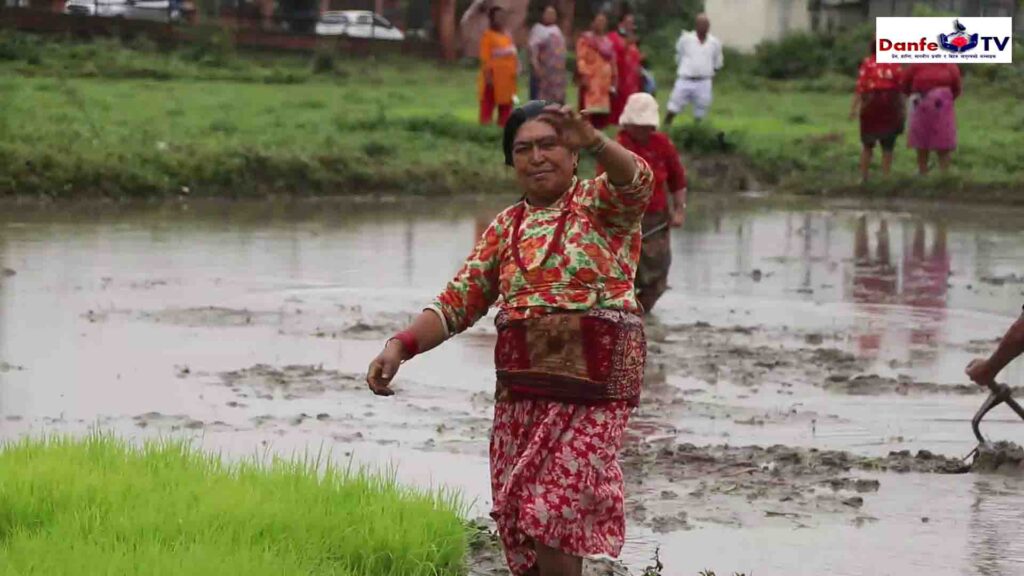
pixel 640 135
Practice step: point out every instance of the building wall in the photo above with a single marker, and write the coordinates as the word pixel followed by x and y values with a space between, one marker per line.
pixel 959 7
pixel 743 24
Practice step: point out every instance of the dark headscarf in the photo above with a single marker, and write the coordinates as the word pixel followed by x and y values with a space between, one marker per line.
pixel 520 116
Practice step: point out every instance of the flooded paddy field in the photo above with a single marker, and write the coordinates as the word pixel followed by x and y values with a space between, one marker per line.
pixel 805 410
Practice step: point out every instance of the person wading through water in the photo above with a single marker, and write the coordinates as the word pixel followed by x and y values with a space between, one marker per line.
pixel 571 349
pixel 640 136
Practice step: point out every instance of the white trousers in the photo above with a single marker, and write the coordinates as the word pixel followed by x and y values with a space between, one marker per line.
pixel 687 91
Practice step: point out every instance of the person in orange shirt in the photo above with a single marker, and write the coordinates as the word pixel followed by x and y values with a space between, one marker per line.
pixel 498 65
pixel 596 71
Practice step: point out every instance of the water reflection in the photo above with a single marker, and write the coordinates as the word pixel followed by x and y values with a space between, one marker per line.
pixel 875 281
pixel 919 286
pixel 995 525
pixel 925 287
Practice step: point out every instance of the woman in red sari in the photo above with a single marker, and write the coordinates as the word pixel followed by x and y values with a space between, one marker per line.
pixel 596 71
pixel 628 62
pixel 570 352
pixel 879 103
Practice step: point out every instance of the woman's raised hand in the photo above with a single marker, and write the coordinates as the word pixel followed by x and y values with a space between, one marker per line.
pixel 575 130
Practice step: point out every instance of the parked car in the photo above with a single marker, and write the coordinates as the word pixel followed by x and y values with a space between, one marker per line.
pixel 108 8
pixel 154 10
pixel 357 24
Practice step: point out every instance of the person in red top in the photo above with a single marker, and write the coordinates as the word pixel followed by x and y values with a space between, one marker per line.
pixel 627 59
pixel 640 136
pixel 878 101
pixel 933 89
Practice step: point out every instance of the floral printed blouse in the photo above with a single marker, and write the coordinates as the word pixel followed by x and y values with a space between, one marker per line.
pixel 593 266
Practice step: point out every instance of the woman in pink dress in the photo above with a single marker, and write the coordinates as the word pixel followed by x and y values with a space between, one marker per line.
pixel 933 88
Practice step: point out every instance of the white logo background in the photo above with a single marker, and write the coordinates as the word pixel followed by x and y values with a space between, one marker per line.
pixel 913 30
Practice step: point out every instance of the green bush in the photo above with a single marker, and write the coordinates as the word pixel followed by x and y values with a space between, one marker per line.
pixel 323 61
pixel 20 47
pixel 704 138
pixel 795 56
pixel 209 45
pixel 850 47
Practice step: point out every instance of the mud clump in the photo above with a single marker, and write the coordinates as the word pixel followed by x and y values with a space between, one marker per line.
pixel 1001 280
pixel 172 422
pixel 785 461
pixel 356 324
pixel 679 487
pixel 1004 457
pixel 210 316
pixel 872 385
pixel 5 367
pixel 289 382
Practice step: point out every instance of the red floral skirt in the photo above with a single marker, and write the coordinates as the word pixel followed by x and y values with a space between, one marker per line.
pixel 555 478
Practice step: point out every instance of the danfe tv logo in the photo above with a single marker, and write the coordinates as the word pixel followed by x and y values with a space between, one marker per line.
pixel 960 41
pixel 971 40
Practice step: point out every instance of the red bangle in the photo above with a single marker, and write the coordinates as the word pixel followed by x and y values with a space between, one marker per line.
pixel 408 342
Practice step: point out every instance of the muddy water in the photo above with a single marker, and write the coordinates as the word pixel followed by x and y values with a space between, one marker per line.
pixel 805 397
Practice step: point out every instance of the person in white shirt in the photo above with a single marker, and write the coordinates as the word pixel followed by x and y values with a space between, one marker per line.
pixel 699 56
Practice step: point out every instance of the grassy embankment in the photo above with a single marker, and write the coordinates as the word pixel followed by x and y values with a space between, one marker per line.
pixel 100 506
pixel 105 119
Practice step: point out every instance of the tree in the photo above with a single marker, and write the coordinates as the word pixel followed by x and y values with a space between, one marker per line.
pixel 566 14
pixel 445 26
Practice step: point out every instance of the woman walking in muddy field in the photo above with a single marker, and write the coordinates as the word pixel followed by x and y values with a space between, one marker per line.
pixel 570 352
pixel 640 136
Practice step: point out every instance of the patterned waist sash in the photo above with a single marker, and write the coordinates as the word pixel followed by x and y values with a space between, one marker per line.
pixel 577 357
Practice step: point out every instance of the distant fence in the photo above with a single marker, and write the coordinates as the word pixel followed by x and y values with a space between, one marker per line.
pixel 168 23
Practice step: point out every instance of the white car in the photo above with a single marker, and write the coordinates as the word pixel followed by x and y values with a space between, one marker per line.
pixel 357 24
pixel 155 10
pixel 108 8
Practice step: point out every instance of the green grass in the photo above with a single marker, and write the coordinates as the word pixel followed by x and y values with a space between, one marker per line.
pixel 100 506
pixel 107 119
pixel 103 119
